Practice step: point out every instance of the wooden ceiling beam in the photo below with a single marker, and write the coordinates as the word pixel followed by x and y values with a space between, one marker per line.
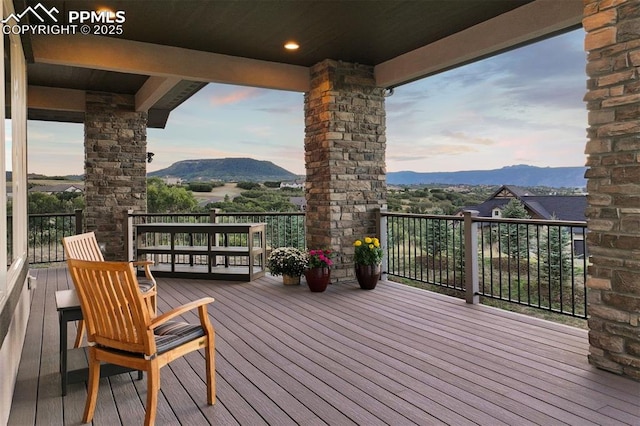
pixel 153 90
pixel 520 26
pixel 133 57
pixel 56 99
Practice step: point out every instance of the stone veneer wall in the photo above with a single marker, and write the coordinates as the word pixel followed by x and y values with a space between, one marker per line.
pixel 345 158
pixel 613 100
pixel 115 167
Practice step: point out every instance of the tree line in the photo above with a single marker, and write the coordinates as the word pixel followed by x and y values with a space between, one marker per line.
pixel 163 198
pixel 269 197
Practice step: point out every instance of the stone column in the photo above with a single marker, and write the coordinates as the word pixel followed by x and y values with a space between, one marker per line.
pixel 613 215
pixel 345 158
pixel 115 138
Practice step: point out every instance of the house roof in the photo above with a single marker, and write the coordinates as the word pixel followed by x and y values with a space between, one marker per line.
pixel 63 187
pixel 165 51
pixel 511 190
pixel 560 207
pixel 298 201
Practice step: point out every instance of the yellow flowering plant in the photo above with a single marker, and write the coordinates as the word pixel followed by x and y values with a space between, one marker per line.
pixel 367 251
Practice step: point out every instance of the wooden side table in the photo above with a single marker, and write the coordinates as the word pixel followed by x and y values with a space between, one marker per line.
pixel 68 306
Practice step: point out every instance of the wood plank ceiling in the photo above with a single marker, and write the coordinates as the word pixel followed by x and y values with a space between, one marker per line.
pixel 185 44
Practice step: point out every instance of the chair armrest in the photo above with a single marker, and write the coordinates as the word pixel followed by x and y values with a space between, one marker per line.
pixel 147 271
pixel 144 263
pixel 181 310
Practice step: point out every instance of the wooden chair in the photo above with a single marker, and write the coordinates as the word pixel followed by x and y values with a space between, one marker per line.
pixel 121 331
pixel 85 247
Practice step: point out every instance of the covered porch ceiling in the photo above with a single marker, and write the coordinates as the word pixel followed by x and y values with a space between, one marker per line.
pixel 170 49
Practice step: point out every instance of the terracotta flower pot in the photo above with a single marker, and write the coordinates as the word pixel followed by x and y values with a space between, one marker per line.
pixel 317 278
pixel 368 276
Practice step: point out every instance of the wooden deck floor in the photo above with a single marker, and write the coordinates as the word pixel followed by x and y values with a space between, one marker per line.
pixel 395 355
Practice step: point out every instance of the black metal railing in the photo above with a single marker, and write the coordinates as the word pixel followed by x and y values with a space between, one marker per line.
pixel 45 233
pixel 425 248
pixel 282 229
pixel 537 263
pixel 534 263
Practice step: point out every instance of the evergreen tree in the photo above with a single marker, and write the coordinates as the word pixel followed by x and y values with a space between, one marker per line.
pixel 513 237
pixel 443 242
pixel 515 209
pixel 437 236
pixel 555 256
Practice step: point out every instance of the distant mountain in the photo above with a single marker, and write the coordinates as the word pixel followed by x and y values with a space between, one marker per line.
pixel 519 175
pixel 226 169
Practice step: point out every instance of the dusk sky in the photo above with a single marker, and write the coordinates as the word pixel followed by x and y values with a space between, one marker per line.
pixel 522 107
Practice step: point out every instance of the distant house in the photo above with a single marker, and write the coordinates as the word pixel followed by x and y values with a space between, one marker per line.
pixel 298 184
pixel 172 180
pixel 545 207
pixel 56 189
pixel 299 202
pixel 560 207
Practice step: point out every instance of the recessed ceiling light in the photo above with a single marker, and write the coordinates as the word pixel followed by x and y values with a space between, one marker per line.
pixel 291 45
pixel 110 14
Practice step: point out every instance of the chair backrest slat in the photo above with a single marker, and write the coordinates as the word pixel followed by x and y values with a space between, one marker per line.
pixel 82 246
pixel 112 305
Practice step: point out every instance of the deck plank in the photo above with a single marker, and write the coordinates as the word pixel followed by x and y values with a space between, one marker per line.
pixel 370 344
pixel 283 386
pixel 395 355
pixel 322 348
pixel 523 373
pixel 23 410
pixel 296 351
pixel 50 406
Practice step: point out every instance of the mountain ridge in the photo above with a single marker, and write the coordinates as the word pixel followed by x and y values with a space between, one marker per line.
pixel 226 169
pixel 248 169
pixel 519 175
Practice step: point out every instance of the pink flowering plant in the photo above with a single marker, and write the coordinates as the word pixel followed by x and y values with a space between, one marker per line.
pixel 320 258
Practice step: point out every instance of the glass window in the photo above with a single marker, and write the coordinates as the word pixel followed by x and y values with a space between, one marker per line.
pixel 5 184
pixel 13 179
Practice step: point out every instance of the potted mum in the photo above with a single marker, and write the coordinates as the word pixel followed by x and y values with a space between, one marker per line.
pixel 318 272
pixel 289 262
pixel 367 258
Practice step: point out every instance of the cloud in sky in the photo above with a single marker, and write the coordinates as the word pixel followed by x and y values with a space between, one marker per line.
pixel 224 96
pixel 524 106
pixel 527 102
